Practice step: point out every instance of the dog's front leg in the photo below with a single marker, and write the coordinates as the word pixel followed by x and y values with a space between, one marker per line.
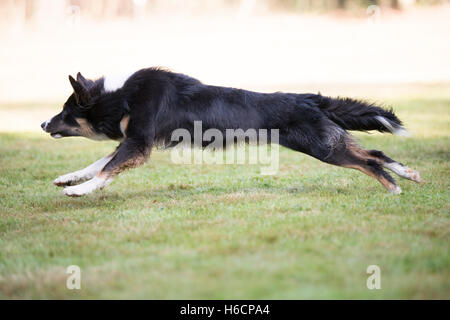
pixel 131 153
pixel 84 174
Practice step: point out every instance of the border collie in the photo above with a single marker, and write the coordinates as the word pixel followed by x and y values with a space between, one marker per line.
pixel 142 111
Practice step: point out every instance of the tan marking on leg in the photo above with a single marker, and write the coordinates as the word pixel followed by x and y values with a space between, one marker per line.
pixel 355 157
pixel 361 153
pixel 130 163
pixel 391 187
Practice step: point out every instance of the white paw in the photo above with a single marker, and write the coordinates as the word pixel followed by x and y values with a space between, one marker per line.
pixel 85 188
pixel 413 175
pixel 67 179
pixel 395 190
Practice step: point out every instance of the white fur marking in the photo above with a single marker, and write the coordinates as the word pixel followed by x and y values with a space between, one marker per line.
pixel 399 130
pixel 397 168
pixel 46 124
pixel 403 171
pixel 114 82
pixel 396 190
pixel 84 174
pixel 86 187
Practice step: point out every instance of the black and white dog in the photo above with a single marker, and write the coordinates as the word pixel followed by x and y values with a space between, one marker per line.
pixel 145 108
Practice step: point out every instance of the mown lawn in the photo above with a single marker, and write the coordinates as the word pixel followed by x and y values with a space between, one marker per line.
pixel 204 232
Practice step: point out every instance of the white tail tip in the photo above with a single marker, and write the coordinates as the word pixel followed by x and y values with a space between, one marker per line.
pixel 395 129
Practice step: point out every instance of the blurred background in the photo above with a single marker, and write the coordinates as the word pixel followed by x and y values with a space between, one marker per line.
pixel 168 231
pixel 335 46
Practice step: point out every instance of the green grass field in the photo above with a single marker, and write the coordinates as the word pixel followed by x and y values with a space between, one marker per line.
pixel 166 231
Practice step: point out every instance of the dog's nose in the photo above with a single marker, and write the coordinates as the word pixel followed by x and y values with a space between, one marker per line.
pixel 43 125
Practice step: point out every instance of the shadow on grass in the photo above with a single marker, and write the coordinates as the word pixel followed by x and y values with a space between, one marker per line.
pixel 114 200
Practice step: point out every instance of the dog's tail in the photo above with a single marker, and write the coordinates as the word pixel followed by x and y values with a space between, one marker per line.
pixel 351 114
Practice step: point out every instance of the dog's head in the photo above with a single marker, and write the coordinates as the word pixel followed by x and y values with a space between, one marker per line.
pixel 87 113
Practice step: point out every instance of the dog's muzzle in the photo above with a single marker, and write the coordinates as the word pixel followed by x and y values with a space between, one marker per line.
pixel 55 135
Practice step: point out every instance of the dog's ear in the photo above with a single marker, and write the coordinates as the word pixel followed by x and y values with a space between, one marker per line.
pixel 80 91
pixel 85 82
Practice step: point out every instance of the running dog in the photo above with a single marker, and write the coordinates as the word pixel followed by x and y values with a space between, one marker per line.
pixel 143 109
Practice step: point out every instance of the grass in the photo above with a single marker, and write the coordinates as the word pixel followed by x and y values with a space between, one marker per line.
pixel 184 231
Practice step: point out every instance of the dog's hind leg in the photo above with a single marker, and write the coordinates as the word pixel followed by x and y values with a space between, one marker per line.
pixel 84 174
pixel 333 145
pixel 398 168
pixel 351 155
pixel 130 153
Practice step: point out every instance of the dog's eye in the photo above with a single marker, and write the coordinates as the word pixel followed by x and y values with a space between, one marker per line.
pixel 66 116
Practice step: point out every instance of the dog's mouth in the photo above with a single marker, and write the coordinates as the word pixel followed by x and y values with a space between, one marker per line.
pixel 56 135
